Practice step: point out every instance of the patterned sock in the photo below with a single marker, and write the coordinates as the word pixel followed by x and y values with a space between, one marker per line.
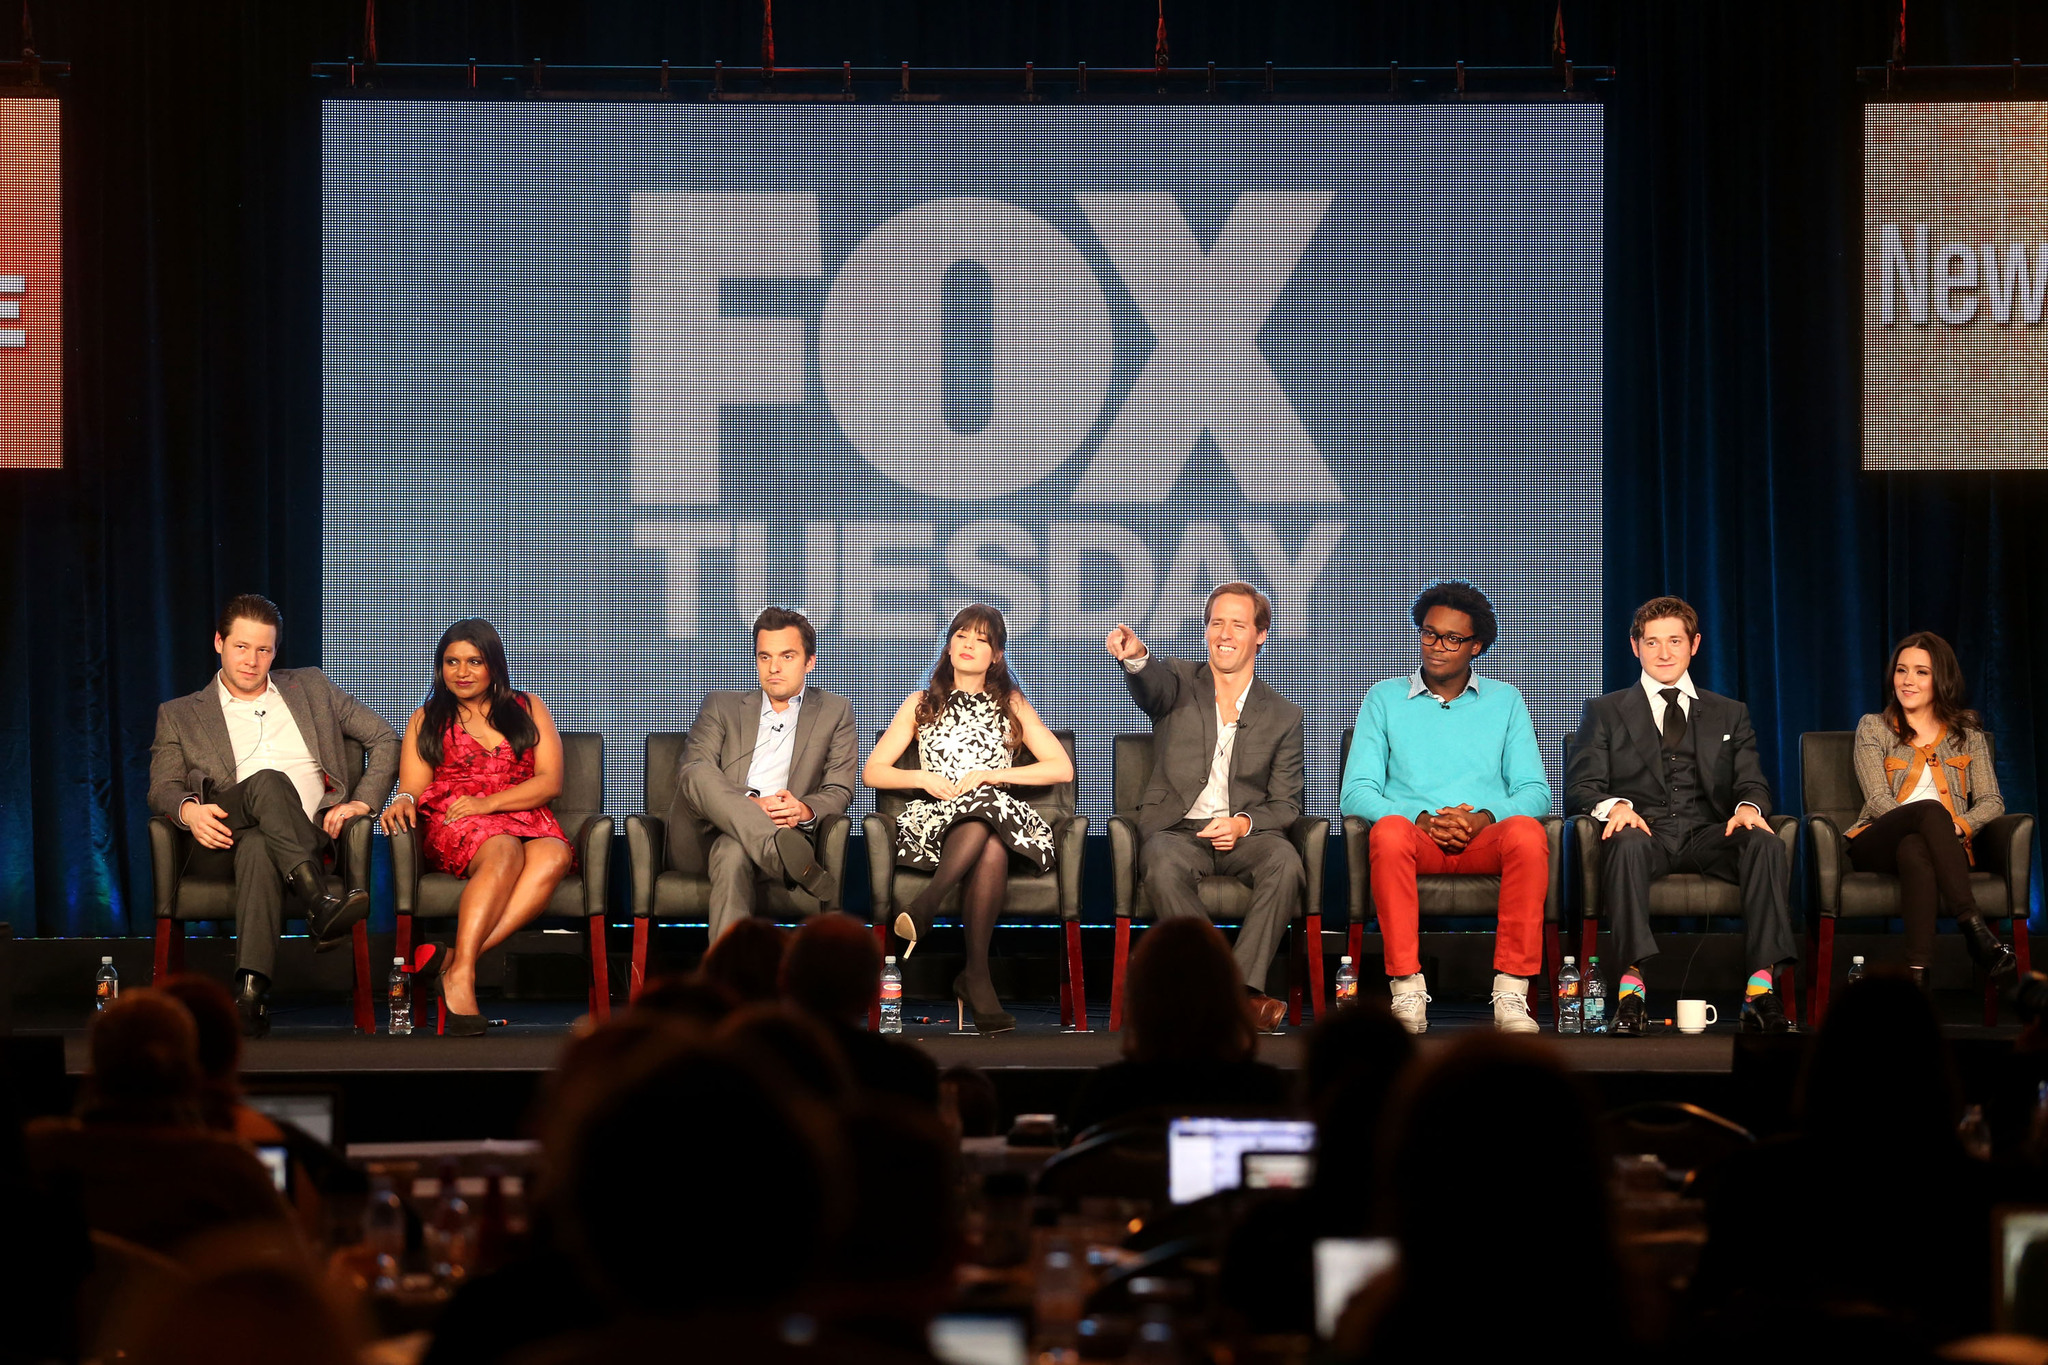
pixel 1631 984
pixel 1759 984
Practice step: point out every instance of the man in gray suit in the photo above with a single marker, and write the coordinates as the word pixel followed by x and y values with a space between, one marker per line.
pixel 737 814
pixel 252 766
pixel 1226 779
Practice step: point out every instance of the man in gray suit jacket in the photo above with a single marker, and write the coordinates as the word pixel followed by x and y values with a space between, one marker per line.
pixel 1226 779
pixel 738 816
pixel 252 766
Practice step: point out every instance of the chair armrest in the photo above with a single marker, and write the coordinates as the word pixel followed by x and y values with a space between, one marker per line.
pixel 829 839
pixel 167 863
pixel 1585 842
pixel 406 866
pixel 646 851
pixel 881 836
pixel 594 851
pixel 1828 854
pixel 1311 836
pixel 1553 896
pixel 1124 842
pixel 2005 848
pixel 1070 848
pixel 1358 862
pixel 354 850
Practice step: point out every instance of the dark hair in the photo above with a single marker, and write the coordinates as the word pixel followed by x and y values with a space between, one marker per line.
pixel 145 1063
pixel 833 967
pixel 1949 690
pixel 509 716
pixel 782 618
pixel 747 961
pixel 248 606
pixel 1459 595
pixel 1186 997
pixel 1658 608
pixel 1001 684
pixel 1262 605
pixel 218 1032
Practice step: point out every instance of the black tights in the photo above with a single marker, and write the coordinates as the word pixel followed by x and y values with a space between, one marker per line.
pixel 972 857
pixel 1918 842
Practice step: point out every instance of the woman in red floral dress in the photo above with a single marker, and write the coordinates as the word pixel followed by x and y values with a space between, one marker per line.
pixel 479 764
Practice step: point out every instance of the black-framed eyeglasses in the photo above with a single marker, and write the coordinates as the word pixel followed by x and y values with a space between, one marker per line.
pixel 1430 637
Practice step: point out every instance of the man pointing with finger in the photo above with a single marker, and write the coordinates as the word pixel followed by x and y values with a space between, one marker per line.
pixel 1226 780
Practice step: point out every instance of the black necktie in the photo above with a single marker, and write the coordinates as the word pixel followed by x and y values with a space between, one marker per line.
pixel 1674 719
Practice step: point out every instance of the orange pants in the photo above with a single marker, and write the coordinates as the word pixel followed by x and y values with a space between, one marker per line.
pixel 1513 849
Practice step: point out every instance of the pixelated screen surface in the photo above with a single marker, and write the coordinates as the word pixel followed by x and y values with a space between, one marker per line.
pixel 616 375
pixel 31 286
pixel 1955 266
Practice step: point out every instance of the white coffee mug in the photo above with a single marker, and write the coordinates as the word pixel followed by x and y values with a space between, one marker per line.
pixel 1695 1015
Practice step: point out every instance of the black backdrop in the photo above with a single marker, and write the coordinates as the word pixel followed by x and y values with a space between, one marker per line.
pixel 193 464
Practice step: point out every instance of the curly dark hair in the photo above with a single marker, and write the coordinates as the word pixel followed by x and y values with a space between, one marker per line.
pixel 1459 595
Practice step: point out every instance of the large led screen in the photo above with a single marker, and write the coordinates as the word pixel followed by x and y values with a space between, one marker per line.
pixel 1955 267
pixel 617 375
pixel 31 285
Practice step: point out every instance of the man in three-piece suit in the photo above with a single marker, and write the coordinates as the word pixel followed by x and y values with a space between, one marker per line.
pixel 737 814
pixel 1674 774
pixel 1226 780
pixel 252 766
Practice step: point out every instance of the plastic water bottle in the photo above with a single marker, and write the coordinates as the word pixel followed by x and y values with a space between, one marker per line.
pixel 1347 982
pixel 384 1232
pixel 1570 1008
pixel 1975 1133
pixel 399 993
pixel 106 985
pixel 892 996
pixel 451 1235
pixel 1594 992
pixel 1855 970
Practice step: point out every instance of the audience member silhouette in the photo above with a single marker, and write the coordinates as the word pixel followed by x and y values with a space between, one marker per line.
pixel 1355 1059
pixel 803 1048
pixel 45 1257
pixel 1894 1216
pixel 1188 1033
pixel 892 1271
pixel 1493 1144
pixel 968 1103
pixel 747 961
pixel 833 972
pixel 148 1169
pixel 246 1295
pixel 694 997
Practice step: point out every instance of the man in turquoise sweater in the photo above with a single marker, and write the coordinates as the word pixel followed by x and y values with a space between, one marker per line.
pixel 1444 763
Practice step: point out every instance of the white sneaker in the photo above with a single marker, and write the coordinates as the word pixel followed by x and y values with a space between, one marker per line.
pixel 1511 1005
pixel 1410 1003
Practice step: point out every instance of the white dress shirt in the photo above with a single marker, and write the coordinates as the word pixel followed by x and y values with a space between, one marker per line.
pixel 1687 695
pixel 769 772
pixel 1214 799
pixel 263 735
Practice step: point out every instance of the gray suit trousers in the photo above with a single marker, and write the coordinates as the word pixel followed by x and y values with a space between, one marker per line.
pixel 272 836
pixel 740 836
pixel 1173 862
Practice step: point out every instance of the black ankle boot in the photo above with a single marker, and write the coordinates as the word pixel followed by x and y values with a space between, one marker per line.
pixel 252 1002
pixel 329 918
pixel 1992 957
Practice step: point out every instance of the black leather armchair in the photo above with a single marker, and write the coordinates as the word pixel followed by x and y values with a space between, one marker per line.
pixel 181 899
pixel 1834 798
pixel 1678 896
pixel 1031 895
pixel 581 895
pixel 1446 896
pixel 1223 897
pixel 668 866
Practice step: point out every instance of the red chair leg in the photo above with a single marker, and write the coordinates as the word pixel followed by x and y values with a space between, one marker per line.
pixel 1354 943
pixel 882 942
pixel 2020 949
pixel 403 943
pixel 600 972
pixel 1589 942
pixel 1823 970
pixel 1314 930
pixel 1076 979
pixel 637 973
pixel 160 962
pixel 366 1012
pixel 1118 962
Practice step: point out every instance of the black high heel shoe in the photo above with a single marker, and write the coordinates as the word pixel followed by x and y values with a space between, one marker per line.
pixel 427 961
pixel 995 1021
pixel 1992 957
pixel 912 926
pixel 449 1024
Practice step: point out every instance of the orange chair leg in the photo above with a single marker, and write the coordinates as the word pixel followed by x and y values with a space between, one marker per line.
pixel 875 1010
pixel 403 943
pixel 1119 961
pixel 1589 942
pixel 1297 968
pixel 1075 980
pixel 160 962
pixel 637 974
pixel 366 1013
pixel 600 972
pixel 1354 943
pixel 1315 963
pixel 1823 970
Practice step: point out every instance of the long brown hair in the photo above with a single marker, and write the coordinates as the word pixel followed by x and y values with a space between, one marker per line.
pixel 1948 688
pixel 1000 684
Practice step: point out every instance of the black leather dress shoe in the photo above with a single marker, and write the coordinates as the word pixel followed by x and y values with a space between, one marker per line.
pixel 1631 1017
pixel 800 866
pixel 1992 957
pixel 1764 1014
pixel 329 918
pixel 252 1003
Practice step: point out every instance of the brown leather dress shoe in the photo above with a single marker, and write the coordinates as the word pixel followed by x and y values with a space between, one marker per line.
pixel 1268 1012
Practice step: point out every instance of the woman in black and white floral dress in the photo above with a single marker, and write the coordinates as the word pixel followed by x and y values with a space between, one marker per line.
pixel 971 723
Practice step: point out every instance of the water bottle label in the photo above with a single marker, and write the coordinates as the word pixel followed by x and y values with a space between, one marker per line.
pixel 107 990
pixel 892 990
pixel 1347 990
